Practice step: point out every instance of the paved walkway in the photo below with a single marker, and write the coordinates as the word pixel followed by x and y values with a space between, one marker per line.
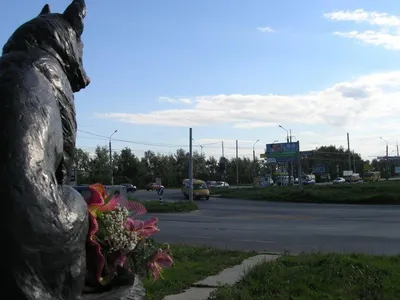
pixel 202 289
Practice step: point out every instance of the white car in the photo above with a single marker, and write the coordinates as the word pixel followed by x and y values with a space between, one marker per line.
pixel 222 184
pixel 339 180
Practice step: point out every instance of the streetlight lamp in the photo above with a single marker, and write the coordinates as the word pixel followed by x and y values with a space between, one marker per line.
pixel 287 133
pixel 254 151
pixel 254 157
pixel 110 150
pixel 289 140
pixel 387 158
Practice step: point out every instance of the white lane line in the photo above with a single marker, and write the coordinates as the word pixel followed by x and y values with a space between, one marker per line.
pixel 236 240
pixel 253 241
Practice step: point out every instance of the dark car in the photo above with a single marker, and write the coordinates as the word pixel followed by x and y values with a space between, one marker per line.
pixel 151 186
pixel 130 188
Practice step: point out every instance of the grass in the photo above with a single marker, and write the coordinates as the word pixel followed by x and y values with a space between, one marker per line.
pixel 192 264
pixel 319 276
pixel 384 192
pixel 170 207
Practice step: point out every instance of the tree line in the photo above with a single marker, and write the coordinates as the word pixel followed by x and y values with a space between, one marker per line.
pixel 126 167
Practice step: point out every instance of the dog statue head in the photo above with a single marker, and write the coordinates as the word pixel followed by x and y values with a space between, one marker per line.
pixel 60 36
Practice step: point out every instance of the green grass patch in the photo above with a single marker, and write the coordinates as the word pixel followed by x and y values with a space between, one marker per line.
pixel 170 207
pixel 192 264
pixel 317 277
pixel 384 192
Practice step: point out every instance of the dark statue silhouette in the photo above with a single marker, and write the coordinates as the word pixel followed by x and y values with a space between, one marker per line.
pixel 44 221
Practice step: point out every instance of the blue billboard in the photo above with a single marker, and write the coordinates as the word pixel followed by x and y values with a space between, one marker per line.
pixel 282 152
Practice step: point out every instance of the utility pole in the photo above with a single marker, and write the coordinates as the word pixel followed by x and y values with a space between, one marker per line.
pixel 387 158
pixel 254 158
pixel 299 164
pixel 397 149
pixel 354 162
pixel 348 150
pixel 387 161
pixel 190 165
pixel 201 150
pixel 110 153
pixel 291 163
pixel 223 163
pixel 237 162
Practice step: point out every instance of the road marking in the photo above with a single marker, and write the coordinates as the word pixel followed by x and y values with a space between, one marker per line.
pixel 236 240
pixel 269 217
pixel 253 241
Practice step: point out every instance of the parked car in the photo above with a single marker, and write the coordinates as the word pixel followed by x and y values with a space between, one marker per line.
pixel 130 188
pixel 308 179
pixel 339 180
pixel 222 184
pixel 212 184
pixel 151 186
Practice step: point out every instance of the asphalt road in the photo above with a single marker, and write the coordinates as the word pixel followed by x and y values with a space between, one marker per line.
pixel 278 227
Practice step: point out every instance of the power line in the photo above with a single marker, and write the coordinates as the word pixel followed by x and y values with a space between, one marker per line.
pixel 206 146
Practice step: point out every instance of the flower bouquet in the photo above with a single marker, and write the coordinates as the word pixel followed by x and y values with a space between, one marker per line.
pixel 119 246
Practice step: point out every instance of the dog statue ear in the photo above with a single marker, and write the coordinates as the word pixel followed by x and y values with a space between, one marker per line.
pixel 45 10
pixel 75 13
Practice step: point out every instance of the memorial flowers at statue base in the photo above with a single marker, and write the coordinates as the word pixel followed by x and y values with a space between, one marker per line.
pixel 119 246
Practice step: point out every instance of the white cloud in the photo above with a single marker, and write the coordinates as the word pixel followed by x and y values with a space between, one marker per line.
pixel 175 101
pixel 344 105
pixel 387 35
pixel 265 29
pixel 366 107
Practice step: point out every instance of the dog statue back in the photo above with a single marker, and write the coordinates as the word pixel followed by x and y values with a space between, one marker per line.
pixel 45 221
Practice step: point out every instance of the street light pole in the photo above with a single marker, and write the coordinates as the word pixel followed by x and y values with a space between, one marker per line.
pixel 110 150
pixel 254 151
pixel 254 158
pixel 287 133
pixel 387 158
pixel 289 140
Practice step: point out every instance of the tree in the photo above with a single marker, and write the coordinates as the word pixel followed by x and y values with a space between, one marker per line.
pixel 173 168
pixel 99 167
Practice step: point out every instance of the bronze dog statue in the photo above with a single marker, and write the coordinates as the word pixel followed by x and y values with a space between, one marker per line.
pixel 45 221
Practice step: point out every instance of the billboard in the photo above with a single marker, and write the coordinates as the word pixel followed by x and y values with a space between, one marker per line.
pixel 388 158
pixel 319 169
pixel 347 173
pixel 397 170
pixel 306 153
pixel 282 152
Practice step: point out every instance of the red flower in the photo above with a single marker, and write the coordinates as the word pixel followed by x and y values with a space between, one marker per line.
pixel 160 260
pixel 143 228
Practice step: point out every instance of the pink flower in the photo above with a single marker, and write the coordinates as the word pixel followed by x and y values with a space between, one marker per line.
pixel 160 260
pixel 143 228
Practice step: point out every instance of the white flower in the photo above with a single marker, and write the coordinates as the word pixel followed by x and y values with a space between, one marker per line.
pixel 119 237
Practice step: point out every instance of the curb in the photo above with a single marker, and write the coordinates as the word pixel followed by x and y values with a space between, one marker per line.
pixel 201 290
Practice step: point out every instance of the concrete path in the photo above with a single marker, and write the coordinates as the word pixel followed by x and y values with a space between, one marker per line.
pixel 202 289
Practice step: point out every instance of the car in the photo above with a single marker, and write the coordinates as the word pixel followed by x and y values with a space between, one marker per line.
pixel 151 186
pixel 212 184
pixel 339 180
pixel 222 184
pixel 130 188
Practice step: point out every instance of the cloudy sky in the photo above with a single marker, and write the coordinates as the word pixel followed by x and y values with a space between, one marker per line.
pixel 235 69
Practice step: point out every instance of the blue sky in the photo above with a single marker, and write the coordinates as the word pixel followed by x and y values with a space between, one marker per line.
pixel 323 68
